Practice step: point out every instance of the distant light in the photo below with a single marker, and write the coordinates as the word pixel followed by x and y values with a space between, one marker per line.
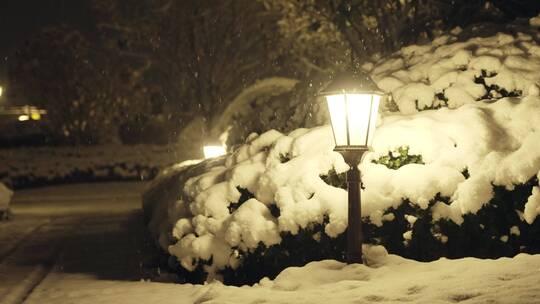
pixel 23 117
pixel 213 151
pixel 35 116
pixel 1 91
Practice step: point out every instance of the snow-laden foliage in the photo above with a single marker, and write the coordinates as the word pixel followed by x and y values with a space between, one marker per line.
pixel 487 62
pixel 283 174
pixel 290 105
pixel 266 95
pixel 452 71
pixel 459 178
pixel 44 165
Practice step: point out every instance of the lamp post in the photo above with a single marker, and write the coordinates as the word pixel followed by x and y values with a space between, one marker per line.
pixel 353 102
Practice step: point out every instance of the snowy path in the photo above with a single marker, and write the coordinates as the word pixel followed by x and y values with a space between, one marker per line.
pixel 91 229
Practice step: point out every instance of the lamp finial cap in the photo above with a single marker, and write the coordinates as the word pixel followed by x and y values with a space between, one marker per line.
pixel 351 82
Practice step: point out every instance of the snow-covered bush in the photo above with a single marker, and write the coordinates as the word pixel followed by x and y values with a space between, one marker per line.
pixel 459 178
pixel 259 207
pixel 484 62
pixel 289 105
pixel 455 70
pixel 25 167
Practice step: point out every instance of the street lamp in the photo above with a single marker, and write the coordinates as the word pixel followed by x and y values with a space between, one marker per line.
pixel 353 102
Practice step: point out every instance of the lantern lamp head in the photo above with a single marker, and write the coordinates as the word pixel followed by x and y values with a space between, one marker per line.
pixel 353 102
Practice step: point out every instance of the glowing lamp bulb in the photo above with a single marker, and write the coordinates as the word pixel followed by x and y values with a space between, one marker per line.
pixel 353 118
pixel 353 103
pixel 213 151
pixel 23 117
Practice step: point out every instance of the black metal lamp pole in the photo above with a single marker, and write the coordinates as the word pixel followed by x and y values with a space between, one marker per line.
pixel 354 230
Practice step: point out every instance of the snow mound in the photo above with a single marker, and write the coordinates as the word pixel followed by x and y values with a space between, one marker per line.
pixel 438 281
pixel 452 72
pixel 396 280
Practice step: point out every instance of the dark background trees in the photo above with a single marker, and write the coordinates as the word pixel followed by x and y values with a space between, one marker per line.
pixel 200 53
pixel 147 61
pixel 362 28
pixel 142 70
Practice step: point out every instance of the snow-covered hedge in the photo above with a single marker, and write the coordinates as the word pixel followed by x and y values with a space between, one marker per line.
pixel 24 167
pixel 488 61
pixel 272 190
pixel 453 70
pixel 458 178
pixel 282 110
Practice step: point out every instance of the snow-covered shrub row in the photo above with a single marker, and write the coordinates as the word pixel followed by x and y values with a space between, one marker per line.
pixel 42 165
pixel 268 199
pixel 284 110
pixel 454 70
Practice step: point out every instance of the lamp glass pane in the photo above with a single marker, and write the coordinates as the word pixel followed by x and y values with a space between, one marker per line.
pixel 373 120
pixel 358 110
pixel 338 116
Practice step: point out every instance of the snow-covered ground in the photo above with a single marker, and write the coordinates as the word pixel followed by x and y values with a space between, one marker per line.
pixel 92 229
pixel 388 279
pixel 66 200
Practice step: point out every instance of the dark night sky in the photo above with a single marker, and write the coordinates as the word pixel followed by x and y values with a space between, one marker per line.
pixel 20 19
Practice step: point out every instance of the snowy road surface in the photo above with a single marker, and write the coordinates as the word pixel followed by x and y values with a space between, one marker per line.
pixel 87 244
pixel 87 229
